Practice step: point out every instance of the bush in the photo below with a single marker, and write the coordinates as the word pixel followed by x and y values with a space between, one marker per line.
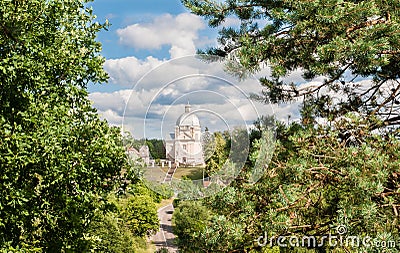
pixel 140 215
pixel 108 233
pixel 189 219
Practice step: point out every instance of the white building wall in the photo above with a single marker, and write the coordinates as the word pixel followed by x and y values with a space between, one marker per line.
pixel 186 148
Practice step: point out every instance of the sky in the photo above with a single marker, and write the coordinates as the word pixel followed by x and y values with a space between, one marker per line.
pixel 150 57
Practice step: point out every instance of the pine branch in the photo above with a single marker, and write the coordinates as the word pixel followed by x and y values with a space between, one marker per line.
pixel 310 189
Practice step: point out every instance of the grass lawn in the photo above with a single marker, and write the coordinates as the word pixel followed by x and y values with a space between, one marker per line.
pixel 154 174
pixel 194 173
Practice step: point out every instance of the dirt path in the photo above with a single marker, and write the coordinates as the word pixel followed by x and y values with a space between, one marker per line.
pixel 165 237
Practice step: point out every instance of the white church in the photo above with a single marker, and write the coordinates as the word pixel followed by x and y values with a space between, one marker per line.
pixel 184 147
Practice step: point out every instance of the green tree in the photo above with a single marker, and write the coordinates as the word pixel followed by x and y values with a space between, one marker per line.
pixel 140 214
pixel 139 188
pixel 188 220
pixel 314 184
pixel 340 40
pixel 123 225
pixel 219 154
pixel 57 158
pixel 207 144
pixel 108 233
pixel 321 176
pixel 157 148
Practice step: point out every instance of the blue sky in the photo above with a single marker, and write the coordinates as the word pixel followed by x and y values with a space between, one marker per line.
pixel 122 13
pixel 152 36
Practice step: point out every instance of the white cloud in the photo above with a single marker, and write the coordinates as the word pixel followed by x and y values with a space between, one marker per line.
pixel 112 117
pixel 179 32
pixel 231 22
pixel 160 95
pixel 161 86
pixel 287 112
pixel 114 101
pixel 145 117
pixel 127 71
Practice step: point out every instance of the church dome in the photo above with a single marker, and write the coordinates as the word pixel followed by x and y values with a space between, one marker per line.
pixel 188 118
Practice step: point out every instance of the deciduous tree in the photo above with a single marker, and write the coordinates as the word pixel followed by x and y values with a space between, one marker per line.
pixel 56 156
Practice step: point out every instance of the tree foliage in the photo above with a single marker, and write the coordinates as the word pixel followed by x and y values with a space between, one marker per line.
pixel 189 219
pixel 342 173
pixel 341 40
pixel 117 228
pixel 140 214
pixel 316 182
pixel 218 155
pixel 108 233
pixel 120 228
pixel 57 158
pixel 156 148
